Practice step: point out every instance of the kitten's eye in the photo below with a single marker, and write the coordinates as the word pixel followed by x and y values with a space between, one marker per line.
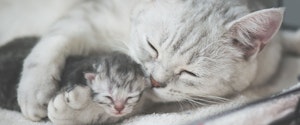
pixel 156 52
pixel 129 98
pixel 132 99
pixel 188 72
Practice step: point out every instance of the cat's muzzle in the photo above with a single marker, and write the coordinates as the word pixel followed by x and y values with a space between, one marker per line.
pixel 156 84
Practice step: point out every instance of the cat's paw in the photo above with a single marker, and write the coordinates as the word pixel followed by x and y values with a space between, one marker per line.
pixel 37 86
pixel 33 98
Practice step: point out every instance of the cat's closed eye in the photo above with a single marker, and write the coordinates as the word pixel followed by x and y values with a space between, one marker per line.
pixel 187 72
pixel 153 48
pixel 110 98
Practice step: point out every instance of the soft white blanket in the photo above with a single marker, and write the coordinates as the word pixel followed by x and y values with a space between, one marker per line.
pixel 287 76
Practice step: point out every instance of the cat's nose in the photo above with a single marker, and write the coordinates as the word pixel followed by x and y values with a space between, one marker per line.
pixel 156 84
pixel 119 107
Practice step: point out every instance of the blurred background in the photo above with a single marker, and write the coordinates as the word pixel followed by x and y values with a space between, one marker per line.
pixel 292 15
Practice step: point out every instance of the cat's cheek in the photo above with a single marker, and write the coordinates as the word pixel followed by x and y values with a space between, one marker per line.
pixel 147 67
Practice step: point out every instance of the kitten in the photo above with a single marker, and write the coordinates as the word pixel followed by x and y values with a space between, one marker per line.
pixel 116 82
pixel 191 49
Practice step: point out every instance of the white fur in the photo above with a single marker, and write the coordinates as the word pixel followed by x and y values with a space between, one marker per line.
pixel 286 75
pixel 30 17
pixel 78 110
pixel 73 35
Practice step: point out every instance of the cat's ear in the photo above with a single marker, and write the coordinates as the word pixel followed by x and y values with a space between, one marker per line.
pixel 89 77
pixel 253 31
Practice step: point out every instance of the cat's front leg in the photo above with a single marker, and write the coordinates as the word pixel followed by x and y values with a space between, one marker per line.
pixel 78 33
pixel 42 68
pixel 38 83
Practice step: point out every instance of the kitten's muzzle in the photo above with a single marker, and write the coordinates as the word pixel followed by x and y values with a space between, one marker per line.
pixel 156 84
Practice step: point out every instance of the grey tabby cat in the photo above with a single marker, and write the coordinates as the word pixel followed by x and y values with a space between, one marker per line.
pixel 190 49
pixel 113 83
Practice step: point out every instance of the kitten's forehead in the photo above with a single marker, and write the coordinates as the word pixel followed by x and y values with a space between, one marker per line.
pixel 121 72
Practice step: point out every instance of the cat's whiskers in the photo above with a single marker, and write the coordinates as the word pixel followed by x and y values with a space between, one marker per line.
pixel 179 102
pixel 212 97
pixel 192 104
pixel 217 97
pixel 209 101
pixel 196 102
pixel 190 100
pixel 204 100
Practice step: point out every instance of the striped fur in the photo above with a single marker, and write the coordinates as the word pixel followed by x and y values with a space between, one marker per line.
pixel 194 48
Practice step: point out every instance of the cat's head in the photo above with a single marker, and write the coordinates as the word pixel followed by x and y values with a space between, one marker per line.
pixel 200 49
pixel 118 84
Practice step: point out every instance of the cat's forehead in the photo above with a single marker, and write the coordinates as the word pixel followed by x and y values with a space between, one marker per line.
pixel 165 16
pixel 190 29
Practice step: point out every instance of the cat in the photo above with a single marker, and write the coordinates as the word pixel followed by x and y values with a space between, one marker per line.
pixel 113 83
pixel 190 49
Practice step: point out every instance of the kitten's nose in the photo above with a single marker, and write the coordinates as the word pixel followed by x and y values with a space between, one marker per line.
pixel 119 107
pixel 156 84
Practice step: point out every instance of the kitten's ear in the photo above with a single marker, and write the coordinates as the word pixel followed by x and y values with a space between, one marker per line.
pixel 253 31
pixel 89 77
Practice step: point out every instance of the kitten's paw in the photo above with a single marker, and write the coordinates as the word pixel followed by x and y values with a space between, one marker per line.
pixel 36 88
pixel 78 97
pixel 66 107
pixel 59 112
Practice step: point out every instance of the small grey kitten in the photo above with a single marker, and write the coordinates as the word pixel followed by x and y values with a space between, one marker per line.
pixel 115 85
pixel 116 82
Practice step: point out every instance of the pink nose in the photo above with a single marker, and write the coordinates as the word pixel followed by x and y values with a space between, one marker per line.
pixel 154 82
pixel 119 107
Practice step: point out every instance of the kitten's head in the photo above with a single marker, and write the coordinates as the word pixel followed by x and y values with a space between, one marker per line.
pixel 118 84
pixel 200 48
